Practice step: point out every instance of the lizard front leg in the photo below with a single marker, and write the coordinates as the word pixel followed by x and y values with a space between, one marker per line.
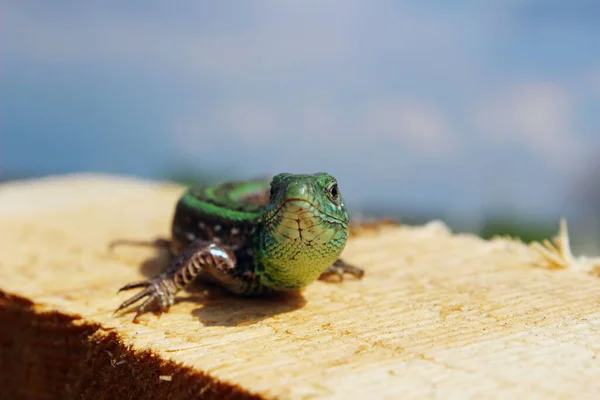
pixel 200 256
pixel 341 267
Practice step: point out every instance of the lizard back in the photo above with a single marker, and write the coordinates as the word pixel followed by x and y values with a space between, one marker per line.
pixel 225 213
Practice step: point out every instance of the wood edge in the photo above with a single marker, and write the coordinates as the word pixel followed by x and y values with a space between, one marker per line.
pixel 358 229
pixel 55 355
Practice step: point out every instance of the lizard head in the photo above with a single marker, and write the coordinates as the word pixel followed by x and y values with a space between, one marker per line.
pixel 305 228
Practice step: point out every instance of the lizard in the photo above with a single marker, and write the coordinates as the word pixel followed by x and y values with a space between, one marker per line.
pixel 251 238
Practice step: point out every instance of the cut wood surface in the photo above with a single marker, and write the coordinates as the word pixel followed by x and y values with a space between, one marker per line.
pixel 437 315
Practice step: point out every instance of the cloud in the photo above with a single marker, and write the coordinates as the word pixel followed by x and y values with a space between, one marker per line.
pixel 267 39
pixel 415 124
pixel 407 125
pixel 538 116
pixel 590 83
pixel 251 121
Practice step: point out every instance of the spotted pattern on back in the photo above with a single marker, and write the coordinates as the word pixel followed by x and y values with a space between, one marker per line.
pixel 225 214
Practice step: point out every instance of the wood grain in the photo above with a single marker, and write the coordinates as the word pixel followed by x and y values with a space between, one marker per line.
pixel 438 315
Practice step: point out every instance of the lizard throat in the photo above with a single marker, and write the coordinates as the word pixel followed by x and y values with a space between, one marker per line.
pixel 300 242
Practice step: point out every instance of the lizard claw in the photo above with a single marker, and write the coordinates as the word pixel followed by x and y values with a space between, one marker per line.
pixel 133 285
pixel 157 292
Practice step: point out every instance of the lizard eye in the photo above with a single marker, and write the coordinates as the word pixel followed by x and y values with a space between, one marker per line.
pixel 272 193
pixel 334 191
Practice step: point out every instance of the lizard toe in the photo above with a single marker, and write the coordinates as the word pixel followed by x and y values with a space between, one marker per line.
pixel 156 292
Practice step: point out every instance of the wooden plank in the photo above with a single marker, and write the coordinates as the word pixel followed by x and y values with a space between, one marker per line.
pixel 437 314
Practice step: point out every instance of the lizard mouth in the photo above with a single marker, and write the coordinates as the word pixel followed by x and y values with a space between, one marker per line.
pixel 301 207
pixel 300 221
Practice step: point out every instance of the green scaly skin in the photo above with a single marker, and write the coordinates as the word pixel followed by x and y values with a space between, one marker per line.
pixel 252 238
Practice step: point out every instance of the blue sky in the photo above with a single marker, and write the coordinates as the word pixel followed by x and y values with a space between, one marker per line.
pixel 462 106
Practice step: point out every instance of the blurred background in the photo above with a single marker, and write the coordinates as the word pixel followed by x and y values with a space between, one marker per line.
pixel 483 114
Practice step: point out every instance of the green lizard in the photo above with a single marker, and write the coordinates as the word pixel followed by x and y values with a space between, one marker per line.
pixel 252 238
